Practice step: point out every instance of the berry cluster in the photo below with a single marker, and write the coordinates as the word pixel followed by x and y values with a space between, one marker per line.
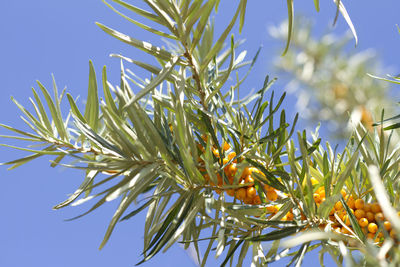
pixel 245 189
pixel 369 216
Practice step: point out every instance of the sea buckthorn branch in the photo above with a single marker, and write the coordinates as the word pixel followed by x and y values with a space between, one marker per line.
pixel 210 169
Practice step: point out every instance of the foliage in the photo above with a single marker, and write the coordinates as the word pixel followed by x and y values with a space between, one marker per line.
pixel 330 80
pixel 207 166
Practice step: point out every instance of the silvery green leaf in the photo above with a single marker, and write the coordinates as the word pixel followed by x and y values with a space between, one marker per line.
pixel 167 69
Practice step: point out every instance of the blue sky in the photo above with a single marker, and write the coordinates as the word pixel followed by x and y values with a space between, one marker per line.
pixel 42 37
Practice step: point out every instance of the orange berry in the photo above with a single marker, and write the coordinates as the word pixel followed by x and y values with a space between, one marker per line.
pixel 370 236
pixel 345 231
pixel 321 192
pixel 225 161
pixel 268 188
pixel 251 192
pixel 338 205
pixel 289 216
pixel 317 198
pixel 226 146
pixel 200 147
pixel 230 192
pixel 372 228
pixel 387 225
pixel 351 204
pixel 375 208
pixel 379 217
pixel 343 192
pixel 240 193
pixel 363 222
pixel 332 211
pixel 232 155
pixel 346 220
pixel 215 152
pixel 370 216
pixel 367 207
pixel 359 203
pixel 359 213
pixel 272 209
pixel 314 181
pixel 246 172
pixel 257 200
pixel 249 180
pixel 284 218
pixel 232 169
pixel 248 200
pixel 272 195
pixel 392 233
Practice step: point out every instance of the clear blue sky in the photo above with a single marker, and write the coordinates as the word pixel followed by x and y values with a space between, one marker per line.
pixel 46 36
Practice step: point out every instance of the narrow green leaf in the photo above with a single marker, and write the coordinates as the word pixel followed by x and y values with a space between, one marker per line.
pixel 242 15
pixel 217 46
pixel 136 211
pixel 43 113
pixel 92 105
pixel 168 68
pixel 346 16
pixel 56 115
pixel 139 11
pixel 277 234
pixel 353 220
pixel 141 25
pixel 269 178
pixel 142 45
pixel 86 182
pixel 290 25
pixel 230 254
pixel 75 109
pixel 316 4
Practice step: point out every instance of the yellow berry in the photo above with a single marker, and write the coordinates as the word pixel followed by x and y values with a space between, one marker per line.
pixel 230 192
pixel 240 193
pixel 346 220
pixel 257 200
pixel 370 216
pixel 370 236
pixel 359 213
pixel 379 217
pixel 232 169
pixel 343 192
pixel 351 204
pixel 363 222
pixel 387 225
pixel 359 203
pixel 249 180
pixel 372 228
pixel 272 209
pixel 226 146
pixel 338 205
pixel 246 172
pixel 367 207
pixel 272 195
pixel 317 198
pixel 375 208
pixel 232 155
pixel 251 192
